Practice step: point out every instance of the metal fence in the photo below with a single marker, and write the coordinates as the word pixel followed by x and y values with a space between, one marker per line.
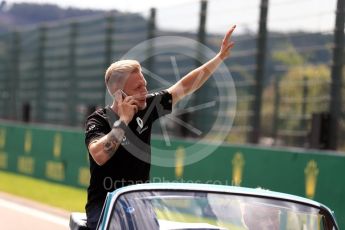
pixel 53 73
pixel 56 70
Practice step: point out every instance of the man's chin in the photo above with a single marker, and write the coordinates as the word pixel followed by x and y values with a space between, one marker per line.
pixel 142 106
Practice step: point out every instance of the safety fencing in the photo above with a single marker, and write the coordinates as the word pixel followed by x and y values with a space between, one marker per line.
pixel 53 73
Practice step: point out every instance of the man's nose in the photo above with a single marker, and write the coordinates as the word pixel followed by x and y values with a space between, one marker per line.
pixel 143 90
pixel 142 93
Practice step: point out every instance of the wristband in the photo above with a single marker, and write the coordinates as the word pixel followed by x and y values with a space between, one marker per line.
pixel 119 127
pixel 119 124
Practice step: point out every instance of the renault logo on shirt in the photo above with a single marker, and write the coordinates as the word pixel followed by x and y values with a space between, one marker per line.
pixel 140 123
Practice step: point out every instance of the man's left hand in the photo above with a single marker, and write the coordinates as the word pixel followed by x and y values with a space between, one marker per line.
pixel 227 44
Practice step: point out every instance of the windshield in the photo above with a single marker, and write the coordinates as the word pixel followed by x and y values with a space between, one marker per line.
pixel 204 210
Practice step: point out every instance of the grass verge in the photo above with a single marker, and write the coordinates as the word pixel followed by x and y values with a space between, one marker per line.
pixel 61 196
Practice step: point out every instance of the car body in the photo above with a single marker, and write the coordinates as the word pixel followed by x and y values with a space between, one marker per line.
pixel 203 206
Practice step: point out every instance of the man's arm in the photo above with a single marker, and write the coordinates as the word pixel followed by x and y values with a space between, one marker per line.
pixel 197 77
pixel 104 148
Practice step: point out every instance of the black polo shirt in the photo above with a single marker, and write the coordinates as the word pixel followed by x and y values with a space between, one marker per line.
pixel 131 162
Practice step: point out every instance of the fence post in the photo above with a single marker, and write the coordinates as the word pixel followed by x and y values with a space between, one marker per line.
pixel 14 73
pixel 201 36
pixel 202 23
pixel 151 33
pixel 337 66
pixel 6 72
pixel 108 39
pixel 72 101
pixel 110 18
pixel 195 98
pixel 260 72
pixel 304 107
pixel 41 91
pixel 276 110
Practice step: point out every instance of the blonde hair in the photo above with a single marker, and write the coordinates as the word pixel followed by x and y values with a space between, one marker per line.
pixel 117 73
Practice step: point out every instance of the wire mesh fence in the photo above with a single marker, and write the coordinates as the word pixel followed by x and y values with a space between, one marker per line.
pixel 53 73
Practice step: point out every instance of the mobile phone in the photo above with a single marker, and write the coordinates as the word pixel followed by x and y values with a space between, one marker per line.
pixel 123 94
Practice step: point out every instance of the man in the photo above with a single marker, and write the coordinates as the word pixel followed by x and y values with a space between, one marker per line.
pixel 261 216
pixel 118 136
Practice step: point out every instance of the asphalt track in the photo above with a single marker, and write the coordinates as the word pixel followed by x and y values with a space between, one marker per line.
pixel 18 213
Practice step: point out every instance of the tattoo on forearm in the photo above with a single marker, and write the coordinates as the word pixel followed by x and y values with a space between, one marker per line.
pixel 109 148
pixel 112 142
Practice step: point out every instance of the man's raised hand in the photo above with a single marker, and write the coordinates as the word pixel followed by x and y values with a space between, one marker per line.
pixel 227 44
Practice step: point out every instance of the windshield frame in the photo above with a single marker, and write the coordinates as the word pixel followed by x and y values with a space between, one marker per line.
pixel 111 202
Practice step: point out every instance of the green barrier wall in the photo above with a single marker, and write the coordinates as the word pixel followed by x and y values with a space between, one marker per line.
pixel 52 154
pixel 59 155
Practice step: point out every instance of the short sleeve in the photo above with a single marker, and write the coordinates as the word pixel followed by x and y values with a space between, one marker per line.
pixel 94 129
pixel 160 103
